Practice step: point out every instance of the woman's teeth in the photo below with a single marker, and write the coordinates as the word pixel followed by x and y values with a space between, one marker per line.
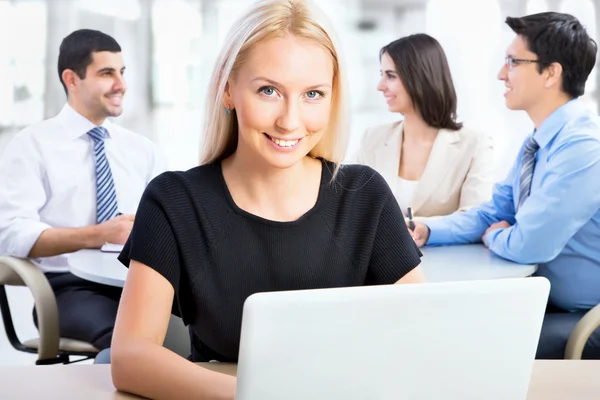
pixel 284 143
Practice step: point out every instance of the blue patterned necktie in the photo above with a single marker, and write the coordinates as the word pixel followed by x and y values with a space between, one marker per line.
pixel 527 167
pixel 106 196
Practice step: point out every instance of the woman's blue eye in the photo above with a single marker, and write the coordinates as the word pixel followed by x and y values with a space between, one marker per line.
pixel 312 94
pixel 269 91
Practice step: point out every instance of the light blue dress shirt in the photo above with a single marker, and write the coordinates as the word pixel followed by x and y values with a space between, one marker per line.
pixel 558 226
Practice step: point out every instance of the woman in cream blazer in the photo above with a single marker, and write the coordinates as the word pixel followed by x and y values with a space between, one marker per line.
pixel 432 163
pixel 456 176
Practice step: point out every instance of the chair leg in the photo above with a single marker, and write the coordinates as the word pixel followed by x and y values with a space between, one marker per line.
pixel 60 359
pixel 11 334
pixel 80 360
pixel 581 333
pixel 8 323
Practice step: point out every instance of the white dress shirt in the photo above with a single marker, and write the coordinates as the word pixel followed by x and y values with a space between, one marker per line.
pixel 48 180
pixel 405 192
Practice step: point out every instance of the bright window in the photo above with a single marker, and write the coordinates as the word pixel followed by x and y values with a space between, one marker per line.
pixel 176 58
pixel 22 62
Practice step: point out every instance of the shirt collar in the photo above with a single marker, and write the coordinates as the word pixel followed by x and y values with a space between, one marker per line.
pixel 76 125
pixel 555 121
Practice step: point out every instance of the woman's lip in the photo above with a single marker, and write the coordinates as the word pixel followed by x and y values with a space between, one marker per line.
pixel 275 137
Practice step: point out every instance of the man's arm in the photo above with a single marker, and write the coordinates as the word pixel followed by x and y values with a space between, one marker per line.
pixel 23 194
pixel 469 226
pixel 567 199
pixel 55 241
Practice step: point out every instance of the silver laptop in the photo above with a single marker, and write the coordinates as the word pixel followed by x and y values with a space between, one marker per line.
pixel 455 340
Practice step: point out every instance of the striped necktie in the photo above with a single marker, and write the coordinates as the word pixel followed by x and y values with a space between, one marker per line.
pixel 527 167
pixel 106 196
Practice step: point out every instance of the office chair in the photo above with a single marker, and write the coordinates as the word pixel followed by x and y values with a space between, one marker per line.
pixel 50 347
pixel 581 333
pixel 177 340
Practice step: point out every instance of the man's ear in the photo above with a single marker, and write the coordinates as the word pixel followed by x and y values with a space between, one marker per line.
pixel 553 75
pixel 70 80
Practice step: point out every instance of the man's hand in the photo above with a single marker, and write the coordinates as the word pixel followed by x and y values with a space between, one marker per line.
pixel 420 234
pixel 116 230
pixel 55 241
pixel 493 227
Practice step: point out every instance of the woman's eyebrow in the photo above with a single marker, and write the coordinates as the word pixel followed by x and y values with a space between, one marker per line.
pixel 275 83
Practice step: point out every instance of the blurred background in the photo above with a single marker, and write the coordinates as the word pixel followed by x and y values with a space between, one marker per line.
pixel 169 47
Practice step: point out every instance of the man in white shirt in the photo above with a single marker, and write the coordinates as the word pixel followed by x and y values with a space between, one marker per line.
pixel 74 182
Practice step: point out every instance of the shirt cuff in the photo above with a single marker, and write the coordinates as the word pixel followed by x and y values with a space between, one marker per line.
pixel 438 232
pixel 490 236
pixel 24 237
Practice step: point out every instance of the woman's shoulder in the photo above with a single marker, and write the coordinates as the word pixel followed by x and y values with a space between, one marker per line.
pixel 360 180
pixel 177 184
pixel 382 131
pixel 472 134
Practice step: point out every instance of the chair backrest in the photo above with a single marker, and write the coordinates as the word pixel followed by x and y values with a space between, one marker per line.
pixel 8 276
pixel 178 337
pixel 177 340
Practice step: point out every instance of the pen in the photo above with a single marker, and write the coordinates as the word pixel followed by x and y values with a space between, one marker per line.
pixel 409 213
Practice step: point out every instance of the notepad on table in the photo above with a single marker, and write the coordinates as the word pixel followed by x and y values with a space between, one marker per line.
pixel 111 248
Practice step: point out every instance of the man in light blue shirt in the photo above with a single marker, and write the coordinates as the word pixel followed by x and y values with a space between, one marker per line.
pixel 547 211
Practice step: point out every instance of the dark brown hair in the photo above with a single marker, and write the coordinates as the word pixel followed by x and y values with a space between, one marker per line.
pixel 560 38
pixel 423 69
pixel 76 51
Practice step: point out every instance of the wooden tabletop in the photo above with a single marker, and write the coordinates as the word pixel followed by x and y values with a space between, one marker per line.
pixel 551 380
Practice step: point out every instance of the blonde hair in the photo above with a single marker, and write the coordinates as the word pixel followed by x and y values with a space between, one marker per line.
pixel 266 20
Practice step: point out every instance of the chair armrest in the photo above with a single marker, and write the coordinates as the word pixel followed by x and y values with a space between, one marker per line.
pixel 580 335
pixel 16 270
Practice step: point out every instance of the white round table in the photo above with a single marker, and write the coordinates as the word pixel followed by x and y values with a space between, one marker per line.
pixel 469 262
pixel 440 264
pixel 98 266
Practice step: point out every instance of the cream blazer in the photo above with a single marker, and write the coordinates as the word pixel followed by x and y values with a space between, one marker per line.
pixel 458 174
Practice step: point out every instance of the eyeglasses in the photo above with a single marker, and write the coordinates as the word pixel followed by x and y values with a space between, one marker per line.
pixel 511 62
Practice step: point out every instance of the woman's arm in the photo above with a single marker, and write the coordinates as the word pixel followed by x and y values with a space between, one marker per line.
pixel 140 364
pixel 395 257
pixel 414 276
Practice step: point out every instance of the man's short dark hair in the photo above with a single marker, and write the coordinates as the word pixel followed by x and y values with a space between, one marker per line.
pixel 76 51
pixel 423 69
pixel 557 37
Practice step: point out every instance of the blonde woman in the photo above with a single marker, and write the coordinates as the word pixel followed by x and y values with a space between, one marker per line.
pixel 432 163
pixel 268 209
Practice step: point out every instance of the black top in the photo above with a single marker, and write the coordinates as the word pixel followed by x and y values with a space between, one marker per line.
pixel 215 254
